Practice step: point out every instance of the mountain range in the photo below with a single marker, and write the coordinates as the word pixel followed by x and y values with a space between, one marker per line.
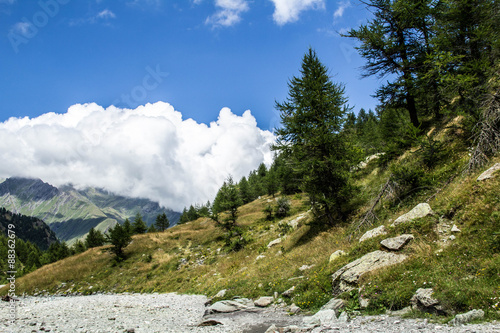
pixel 72 212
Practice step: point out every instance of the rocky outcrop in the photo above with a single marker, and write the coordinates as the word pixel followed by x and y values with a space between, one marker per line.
pixel 425 302
pixel 373 233
pixel 274 242
pixel 347 277
pixel 396 243
pixel 264 301
pixel 420 210
pixel 465 318
pixel 489 173
pixel 230 306
pixel 322 317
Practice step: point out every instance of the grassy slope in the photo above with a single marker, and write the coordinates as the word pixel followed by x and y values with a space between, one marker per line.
pixel 186 258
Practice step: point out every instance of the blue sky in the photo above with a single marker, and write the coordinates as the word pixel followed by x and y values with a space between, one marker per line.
pixel 211 54
pixel 149 98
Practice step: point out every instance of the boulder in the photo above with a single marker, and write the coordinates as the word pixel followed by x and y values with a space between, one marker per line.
pixel 347 277
pixel 420 210
pixel 289 292
pixel 489 173
pixel 335 304
pixel 465 318
pixel 455 228
pixel 337 254
pixel 396 243
pixel 263 302
pixel 221 293
pixel 423 301
pixel 294 309
pixel 295 222
pixel 274 242
pixel 322 317
pixel 229 306
pixel 373 233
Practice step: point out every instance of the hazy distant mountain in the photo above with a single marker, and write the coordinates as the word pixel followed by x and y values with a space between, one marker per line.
pixel 70 213
pixel 27 228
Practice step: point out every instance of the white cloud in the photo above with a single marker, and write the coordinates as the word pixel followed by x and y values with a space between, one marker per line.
pixel 228 13
pixel 147 152
pixel 287 11
pixel 106 14
pixel 24 28
pixel 343 5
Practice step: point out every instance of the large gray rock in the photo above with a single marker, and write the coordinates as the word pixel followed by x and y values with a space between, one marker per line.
pixel 322 317
pixel 420 210
pixel 274 242
pixel 425 302
pixel 489 173
pixel 465 318
pixel 373 233
pixel 262 302
pixel 396 243
pixel 335 304
pixel 347 277
pixel 229 306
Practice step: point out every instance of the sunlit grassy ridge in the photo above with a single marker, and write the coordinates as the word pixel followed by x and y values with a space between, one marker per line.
pixel 190 258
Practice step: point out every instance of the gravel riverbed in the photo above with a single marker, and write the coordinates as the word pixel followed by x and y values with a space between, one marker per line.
pixel 182 313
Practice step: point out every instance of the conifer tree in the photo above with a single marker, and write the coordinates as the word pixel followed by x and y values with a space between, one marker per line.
pixel 94 238
pixel 119 238
pixel 162 223
pixel 311 137
pixel 139 226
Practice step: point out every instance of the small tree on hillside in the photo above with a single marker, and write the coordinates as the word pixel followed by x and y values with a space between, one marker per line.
pixel 162 223
pixel 225 213
pixel 119 238
pixel 127 226
pixel 94 238
pixel 139 226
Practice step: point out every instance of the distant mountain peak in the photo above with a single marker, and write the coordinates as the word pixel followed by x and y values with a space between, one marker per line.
pixel 28 189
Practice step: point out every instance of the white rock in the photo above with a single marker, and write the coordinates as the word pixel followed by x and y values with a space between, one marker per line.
pixel 260 257
pixel 322 317
pixel 274 242
pixel 465 318
pixel 455 228
pixel 420 210
pixel 264 301
pixel 489 173
pixel 336 254
pixel 305 267
pixel 396 243
pixel 221 293
pixel 373 233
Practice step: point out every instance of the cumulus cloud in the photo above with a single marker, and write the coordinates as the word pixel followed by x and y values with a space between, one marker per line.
pixel 343 5
pixel 150 151
pixel 287 11
pixel 228 13
pixel 106 14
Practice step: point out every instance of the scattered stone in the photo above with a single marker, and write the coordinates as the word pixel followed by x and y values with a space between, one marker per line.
pixel 367 160
pixel 364 302
pixel 264 301
pixel 209 322
pixel 334 304
pixel 423 301
pixel 295 222
pixel 336 254
pixel 452 237
pixel 420 210
pixel 344 317
pixel 289 292
pixel 397 243
pixel 373 233
pixel 322 317
pixel 274 242
pixel 305 267
pixel 294 309
pixel 489 173
pixel 221 293
pixel 465 318
pixel 347 277
pixel 455 228
pixel 261 256
pixel 402 312
pixel 296 278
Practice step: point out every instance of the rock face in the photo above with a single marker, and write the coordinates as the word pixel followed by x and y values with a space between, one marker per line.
pixel 346 278
pixel 420 210
pixel 396 243
pixel 423 301
pixel 465 318
pixel 489 173
pixel 337 254
pixel 373 233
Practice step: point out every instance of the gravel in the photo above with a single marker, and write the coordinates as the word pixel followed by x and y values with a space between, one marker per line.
pixel 182 313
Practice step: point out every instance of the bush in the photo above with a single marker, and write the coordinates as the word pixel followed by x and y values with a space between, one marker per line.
pixel 283 207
